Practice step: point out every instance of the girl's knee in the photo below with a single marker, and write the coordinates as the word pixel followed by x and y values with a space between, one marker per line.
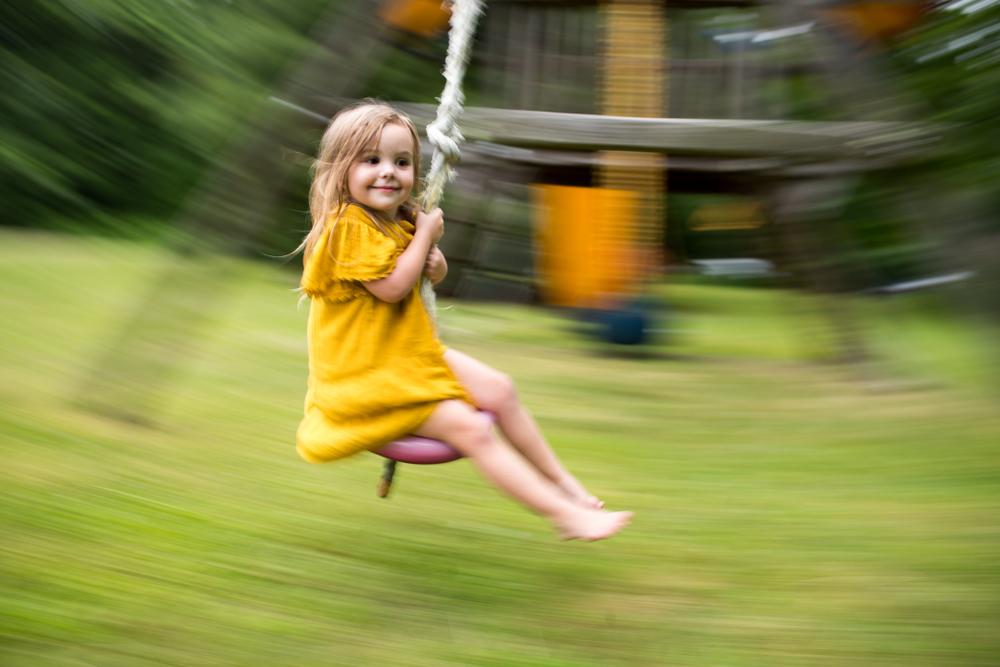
pixel 471 432
pixel 500 394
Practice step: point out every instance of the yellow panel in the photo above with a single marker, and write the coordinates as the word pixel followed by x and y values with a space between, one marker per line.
pixel 425 18
pixel 725 216
pixel 586 240
pixel 879 20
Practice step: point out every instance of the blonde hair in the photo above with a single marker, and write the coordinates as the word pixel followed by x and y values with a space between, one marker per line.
pixel 352 132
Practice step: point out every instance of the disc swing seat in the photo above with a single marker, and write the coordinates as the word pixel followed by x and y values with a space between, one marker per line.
pixel 444 135
pixel 417 450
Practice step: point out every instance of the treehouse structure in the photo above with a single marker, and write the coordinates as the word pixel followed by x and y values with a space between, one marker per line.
pixel 609 140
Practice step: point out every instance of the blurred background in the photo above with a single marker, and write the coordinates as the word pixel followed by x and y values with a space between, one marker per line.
pixel 740 256
pixel 833 147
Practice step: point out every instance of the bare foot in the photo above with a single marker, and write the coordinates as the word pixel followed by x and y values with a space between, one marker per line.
pixel 575 491
pixel 592 525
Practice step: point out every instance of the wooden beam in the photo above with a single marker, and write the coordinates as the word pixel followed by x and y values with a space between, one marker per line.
pixel 877 141
pixel 687 136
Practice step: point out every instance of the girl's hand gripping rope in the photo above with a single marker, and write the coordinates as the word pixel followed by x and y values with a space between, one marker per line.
pixel 431 222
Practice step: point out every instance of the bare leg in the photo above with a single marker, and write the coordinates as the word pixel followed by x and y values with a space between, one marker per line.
pixel 495 392
pixel 467 431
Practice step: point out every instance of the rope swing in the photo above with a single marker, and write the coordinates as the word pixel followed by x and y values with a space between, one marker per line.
pixel 445 136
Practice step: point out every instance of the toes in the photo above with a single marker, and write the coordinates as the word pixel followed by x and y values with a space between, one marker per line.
pixel 590 502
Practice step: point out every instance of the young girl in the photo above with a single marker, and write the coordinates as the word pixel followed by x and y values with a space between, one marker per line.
pixel 377 370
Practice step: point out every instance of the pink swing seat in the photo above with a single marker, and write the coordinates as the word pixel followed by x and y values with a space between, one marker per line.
pixel 422 451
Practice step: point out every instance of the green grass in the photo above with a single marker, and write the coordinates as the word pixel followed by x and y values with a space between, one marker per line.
pixel 790 511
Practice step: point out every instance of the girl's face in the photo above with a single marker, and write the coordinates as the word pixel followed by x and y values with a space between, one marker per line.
pixel 382 178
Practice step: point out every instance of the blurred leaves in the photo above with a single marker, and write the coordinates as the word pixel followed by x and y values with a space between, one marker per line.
pixel 113 107
pixel 953 63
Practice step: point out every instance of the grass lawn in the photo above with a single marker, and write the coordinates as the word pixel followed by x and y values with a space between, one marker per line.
pixel 790 511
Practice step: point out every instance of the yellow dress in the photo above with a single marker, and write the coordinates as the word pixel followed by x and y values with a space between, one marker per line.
pixel 376 369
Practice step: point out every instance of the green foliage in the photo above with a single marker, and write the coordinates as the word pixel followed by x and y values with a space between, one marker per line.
pixel 951 67
pixel 953 64
pixel 940 214
pixel 113 107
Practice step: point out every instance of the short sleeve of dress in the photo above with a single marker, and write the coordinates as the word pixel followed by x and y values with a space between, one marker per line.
pixel 349 252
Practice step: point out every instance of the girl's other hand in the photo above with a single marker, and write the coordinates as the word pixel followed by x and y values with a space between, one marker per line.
pixel 435 268
pixel 431 223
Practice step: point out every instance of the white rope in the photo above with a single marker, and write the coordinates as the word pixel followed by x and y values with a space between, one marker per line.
pixel 443 133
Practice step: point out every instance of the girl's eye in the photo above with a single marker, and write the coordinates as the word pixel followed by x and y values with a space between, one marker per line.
pixel 371 159
pixel 402 162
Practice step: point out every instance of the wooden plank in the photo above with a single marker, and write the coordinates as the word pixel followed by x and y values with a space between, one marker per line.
pixel 687 136
pixel 877 141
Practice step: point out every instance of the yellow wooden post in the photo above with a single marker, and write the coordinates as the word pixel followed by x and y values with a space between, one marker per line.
pixel 634 83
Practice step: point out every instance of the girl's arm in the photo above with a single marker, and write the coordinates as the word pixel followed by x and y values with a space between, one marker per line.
pixel 410 264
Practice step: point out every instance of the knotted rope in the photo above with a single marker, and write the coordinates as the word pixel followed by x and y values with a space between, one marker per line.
pixel 445 136
pixel 443 133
